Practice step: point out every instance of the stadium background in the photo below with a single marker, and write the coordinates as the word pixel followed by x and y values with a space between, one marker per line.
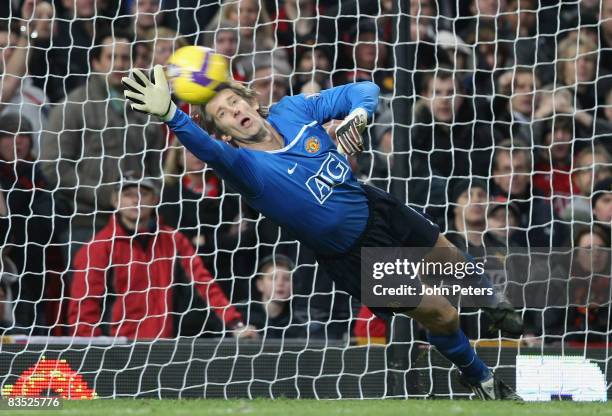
pixel 501 107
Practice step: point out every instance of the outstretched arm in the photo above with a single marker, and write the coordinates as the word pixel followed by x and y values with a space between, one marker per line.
pixel 355 103
pixel 338 102
pixel 154 98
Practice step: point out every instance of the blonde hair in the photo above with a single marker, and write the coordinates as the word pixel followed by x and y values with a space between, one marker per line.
pixel 570 49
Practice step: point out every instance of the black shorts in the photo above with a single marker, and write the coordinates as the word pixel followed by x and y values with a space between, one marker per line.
pixel 390 224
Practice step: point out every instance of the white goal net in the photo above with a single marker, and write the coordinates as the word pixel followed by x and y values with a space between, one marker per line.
pixel 130 269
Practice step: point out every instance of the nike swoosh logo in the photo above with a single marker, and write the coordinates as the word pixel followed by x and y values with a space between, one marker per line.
pixel 291 170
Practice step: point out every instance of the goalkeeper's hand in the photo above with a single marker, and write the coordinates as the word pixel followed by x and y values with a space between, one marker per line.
pixel 349 132
pixel 149 97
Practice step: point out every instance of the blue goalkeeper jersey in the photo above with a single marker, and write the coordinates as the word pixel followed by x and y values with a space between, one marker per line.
pixel 306 187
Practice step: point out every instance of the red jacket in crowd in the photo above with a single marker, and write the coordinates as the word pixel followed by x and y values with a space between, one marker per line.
pixel 368 325
pixel 139 281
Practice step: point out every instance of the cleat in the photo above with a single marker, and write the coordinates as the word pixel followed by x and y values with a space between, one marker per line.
pixel 494 388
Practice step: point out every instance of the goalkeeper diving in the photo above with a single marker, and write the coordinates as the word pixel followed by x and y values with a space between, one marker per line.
pixel 286 166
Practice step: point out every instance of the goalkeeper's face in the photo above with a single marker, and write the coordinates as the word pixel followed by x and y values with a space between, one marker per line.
pixel 236 117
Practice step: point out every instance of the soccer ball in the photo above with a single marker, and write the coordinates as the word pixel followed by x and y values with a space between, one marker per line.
pixel 196 73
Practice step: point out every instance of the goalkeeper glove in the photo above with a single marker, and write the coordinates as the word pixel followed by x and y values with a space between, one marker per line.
pixel 149 97
pixel 349 132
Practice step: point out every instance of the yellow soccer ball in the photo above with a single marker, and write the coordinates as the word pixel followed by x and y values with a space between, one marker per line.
pixel 196 73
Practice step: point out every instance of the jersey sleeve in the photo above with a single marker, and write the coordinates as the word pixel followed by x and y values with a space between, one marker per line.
pixel 232 164
pixel 338 102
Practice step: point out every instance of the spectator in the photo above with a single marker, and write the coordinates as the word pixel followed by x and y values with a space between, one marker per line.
pixel 583 15
pixel 602 201
pixel 552 178
pixel 511 169
pixel 423 15
pixel 521 37
pixel 422 22
pixel 516 104
pixel 369 58
pixel 481 13
pixel 272 311
pixel 39 32
pixel 92 139
pixel 141 52
pixel 164 41
pixel 578 92
pixel 607 108
pixel 591 165
pixel 453 53
pixel 256 44
pixel 520 19
pixel 21 48
pixel 576 69
pixel 606 116
pixel 443 143
pixel 503 221
pixel 605 39
pixel 225 41
pixel 314 65
pixel 255 27
pixel 8 279
pixel 227 12
pixel 491 59
pixel 134 268
pixel 589 301
pixel 511 174
pixel 297 21
pixel 73 39
pixel 270 79
pixel 147 17
pixel 3 213
pixel 188 17
pixel 563 291
pixel 30 217
pixel 468 225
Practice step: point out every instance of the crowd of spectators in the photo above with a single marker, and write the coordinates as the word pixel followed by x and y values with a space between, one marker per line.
pixel 108 226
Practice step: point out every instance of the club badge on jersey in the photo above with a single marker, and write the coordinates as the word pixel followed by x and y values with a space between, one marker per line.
pixel 312 145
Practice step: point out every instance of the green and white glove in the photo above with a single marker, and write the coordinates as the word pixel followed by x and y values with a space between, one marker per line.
pixel 149 97
pixel 349 132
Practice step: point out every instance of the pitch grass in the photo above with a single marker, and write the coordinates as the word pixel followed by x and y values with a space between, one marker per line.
pixel 286 407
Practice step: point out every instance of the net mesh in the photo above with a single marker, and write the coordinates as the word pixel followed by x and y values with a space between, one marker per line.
pixel 512 95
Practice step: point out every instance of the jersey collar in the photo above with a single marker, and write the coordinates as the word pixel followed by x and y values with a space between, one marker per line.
pixel 295 139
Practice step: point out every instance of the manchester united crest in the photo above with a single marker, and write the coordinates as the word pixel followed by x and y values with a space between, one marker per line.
pixel 312 145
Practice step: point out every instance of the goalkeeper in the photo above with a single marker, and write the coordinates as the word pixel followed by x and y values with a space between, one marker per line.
pixel 287 167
